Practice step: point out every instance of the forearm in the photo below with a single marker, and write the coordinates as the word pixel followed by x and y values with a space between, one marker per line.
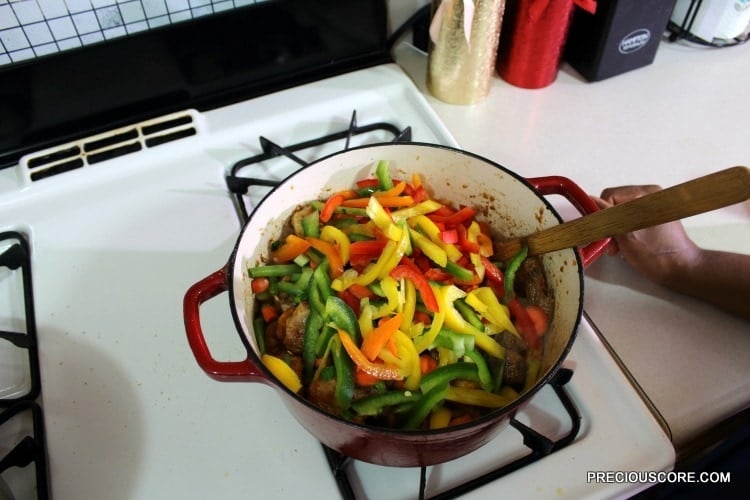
pixel 719 278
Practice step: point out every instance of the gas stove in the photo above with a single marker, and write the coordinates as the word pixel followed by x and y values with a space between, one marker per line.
pixel 125 182
pixel 127 412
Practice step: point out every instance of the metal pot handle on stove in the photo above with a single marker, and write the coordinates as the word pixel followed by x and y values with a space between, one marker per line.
pixel 224 371
pixel 556 184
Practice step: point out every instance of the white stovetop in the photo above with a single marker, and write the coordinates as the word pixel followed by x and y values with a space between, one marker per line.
pixel 129 414
pixel 679 118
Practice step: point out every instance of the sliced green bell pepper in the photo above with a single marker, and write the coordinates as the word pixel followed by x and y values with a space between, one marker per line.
pixel 344 392
pixel 425 405
pixel 373 405
pixel 337 311
pixel 448 373
pixel 510 270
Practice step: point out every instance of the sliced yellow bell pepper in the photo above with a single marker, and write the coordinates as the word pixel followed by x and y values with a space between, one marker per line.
pixel 410 358
pixel 366 317
pixel 426 226
pixel 438 319
pixel 373 271
pixel 484 301
pixel 382 219
pixel 283 372
pixel 472 234
pixel 440 418
pixel 340 240
pixel 478 397
pixel 431 250
pixel 403 248
pixel 408 305
pixel 390 289
pixel 456 322
pixel 425 207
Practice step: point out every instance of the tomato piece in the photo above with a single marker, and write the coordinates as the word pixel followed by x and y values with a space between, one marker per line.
pixel 269 312
pixel 523 322
pixel 259 285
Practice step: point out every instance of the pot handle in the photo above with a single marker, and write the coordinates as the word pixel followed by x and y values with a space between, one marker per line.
pixel 555 184
pixel 224 371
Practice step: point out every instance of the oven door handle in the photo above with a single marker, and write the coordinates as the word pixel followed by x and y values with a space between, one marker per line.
pixel 224 371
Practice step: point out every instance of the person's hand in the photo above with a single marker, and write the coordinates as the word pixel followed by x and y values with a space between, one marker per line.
pixel 657 252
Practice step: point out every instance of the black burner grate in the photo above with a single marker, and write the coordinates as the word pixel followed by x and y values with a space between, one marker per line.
pixel 239 185
pixel 539 445
pixel 29 448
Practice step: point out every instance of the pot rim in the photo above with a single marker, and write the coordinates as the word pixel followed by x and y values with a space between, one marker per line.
pixel 496 414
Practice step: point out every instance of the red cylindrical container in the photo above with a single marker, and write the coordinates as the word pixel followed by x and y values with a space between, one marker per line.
pixel 532 41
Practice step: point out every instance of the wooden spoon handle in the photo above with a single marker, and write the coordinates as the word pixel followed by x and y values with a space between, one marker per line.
pixel 710 192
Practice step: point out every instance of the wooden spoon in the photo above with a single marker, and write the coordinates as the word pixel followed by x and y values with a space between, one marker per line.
pixel 717 190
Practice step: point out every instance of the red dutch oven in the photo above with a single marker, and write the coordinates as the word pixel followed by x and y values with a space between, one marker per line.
pixel 512 205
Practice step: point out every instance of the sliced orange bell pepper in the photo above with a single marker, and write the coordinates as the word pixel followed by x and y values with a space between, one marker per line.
pixel 335 263
pixel 379 336
pixel 293 246
pixel 380 371
pixel 386 201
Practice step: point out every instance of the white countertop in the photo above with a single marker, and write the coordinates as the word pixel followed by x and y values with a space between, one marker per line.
pixel 679 118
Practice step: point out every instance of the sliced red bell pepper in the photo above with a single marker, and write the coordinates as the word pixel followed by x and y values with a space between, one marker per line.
pixel 495 277
pixel 370 182
pixel 420 283
pixel 464 243
pixel 368 248
pixel 330 205
pixel 459 217
pixel 350 299
pixel 420 194
pixel 421 260
pixel 406 261
pixel 361 291
pixel 439 275
pixel 493 273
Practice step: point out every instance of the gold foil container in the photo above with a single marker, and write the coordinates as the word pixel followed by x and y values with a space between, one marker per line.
pixel 459 72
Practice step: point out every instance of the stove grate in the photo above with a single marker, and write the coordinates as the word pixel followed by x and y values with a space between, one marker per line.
pixel 239 185
pixel 539 445
pixel 30 448
pixel 17 256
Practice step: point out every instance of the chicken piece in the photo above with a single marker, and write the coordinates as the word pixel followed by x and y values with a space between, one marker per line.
pixel 291 327
pixel 515 369
pixel 322 393
pixel 531 283
pixel 296 219
pixel 271 340
pixel 511 341
pixel 514 373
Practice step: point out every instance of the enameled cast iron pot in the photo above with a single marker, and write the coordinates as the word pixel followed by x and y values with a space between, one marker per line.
pixel 510 204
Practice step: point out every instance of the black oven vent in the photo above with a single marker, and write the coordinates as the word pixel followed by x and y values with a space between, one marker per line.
pixel 109 145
